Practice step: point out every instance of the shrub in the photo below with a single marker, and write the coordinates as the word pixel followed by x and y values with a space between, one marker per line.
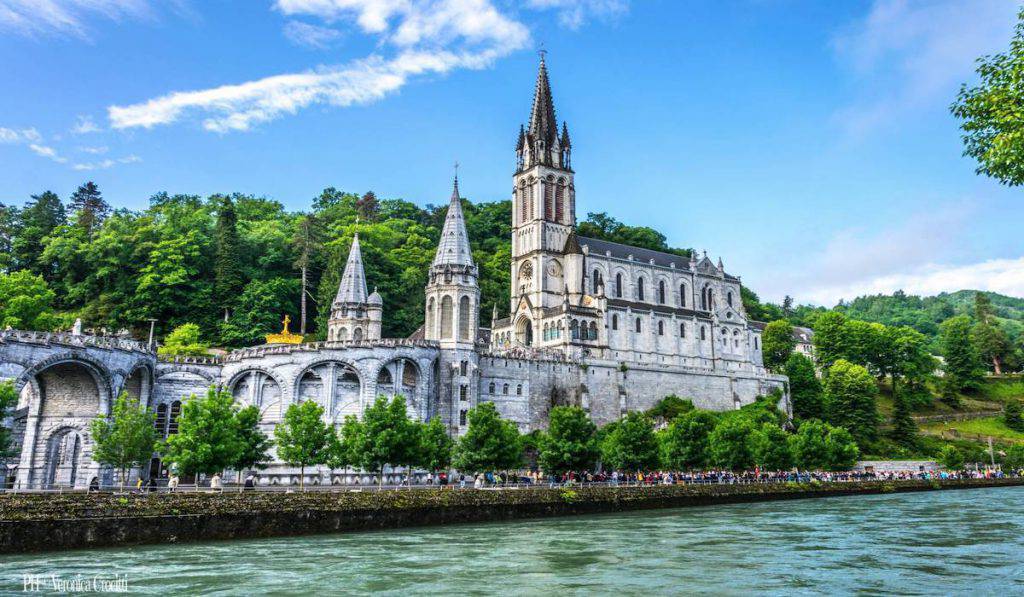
pixel 951 458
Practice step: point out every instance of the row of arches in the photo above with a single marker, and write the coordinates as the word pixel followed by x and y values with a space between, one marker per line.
pixel 447 316
pixel 555 195
pixel 492 388
pixel 342 334
pixel 660 327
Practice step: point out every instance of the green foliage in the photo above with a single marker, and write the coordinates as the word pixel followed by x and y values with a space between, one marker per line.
pixel 991 113
pixel 951 458
pixel 631 444
pixel 1012 415
pixel 255 444
pixel 670 407
pixel 904 430
pixel 435 451
pixel 817 445
pixel 570 442
pixel 685 443
pixel 777 344
pixel 804 387
pixel 89 207
pixel 25 302
pixel 1014 460
pixel 490 443
pixel 344 443
pixel 730 445
pixel 850 400
pixel 962 361
pixel 8 400
pixel 604 227
pixel 770 449
pixel 302 437
pixel 126 439
pixel 183 341
pixel 841 449
pixel 207 440
pixel 388 437
pixel 259 311
pixel 227 270
pixel 831 338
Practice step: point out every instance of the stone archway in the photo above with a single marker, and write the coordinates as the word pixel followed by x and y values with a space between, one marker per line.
pixel 64 459
pixel 335 385
pixel 524 331
pixel 402 376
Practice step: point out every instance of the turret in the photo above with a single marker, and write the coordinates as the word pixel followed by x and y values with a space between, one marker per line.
pixel 453 293
pixel 354 315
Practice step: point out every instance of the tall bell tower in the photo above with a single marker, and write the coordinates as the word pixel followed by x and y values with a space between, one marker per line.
pixel 543 204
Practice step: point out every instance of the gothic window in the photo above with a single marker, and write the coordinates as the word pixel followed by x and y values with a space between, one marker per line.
pixel 755 343
pixel 357 334
pixel 618 285
pixel 593 330
pixel 640 289
pixel 172 419
pixel 547 332
pixel 430 318
pixel 728 298
pixel 490 388
pixel 574 327
pixel 462 418
pixel 522 202
pixel 639 326
pixel 661 328
pixel 462 393
pixel 343 334
pixel 160 423
pixel 549 199
pixel 682 330
pixel 558 330
pixel 560 200
pixel 529 201
pixel 519 390
pixel 702 335
pixel 597 281
pixel 464 314
pixel 661 291
pixel 504 389
pixel 615 322
pixel 682 295
pixel 463 367
pixel 446 317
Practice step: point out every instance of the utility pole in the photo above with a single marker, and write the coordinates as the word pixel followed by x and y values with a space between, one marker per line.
pixel 152 328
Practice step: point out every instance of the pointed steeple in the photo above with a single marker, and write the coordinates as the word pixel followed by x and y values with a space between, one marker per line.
pixel 353 282
pixel 543 124
pixel 453 248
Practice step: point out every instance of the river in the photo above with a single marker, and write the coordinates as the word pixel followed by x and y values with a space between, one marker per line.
pixel 929 543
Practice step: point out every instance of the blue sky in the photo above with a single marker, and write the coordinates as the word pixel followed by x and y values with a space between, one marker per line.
pixel 808 143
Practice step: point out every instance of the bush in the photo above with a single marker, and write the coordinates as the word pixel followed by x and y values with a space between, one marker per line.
pixel 1012 415
pixel 770 449
pixel 183 341
pixel 1014 458
pixel 730 444
pixel 951 458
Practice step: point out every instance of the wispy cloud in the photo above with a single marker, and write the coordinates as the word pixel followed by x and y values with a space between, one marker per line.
pixel 415 39
pixel 84 125
pixel 907 56
pixel 108 163
pixel 574 13
pixel 94 150
pixel 47 152
pixel 19 135
pixel 35 18
pixel 312 36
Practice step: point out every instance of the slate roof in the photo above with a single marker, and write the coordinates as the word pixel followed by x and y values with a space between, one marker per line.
pixel 352 288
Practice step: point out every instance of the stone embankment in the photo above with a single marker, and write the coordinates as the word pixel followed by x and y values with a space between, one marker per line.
pixel 46 522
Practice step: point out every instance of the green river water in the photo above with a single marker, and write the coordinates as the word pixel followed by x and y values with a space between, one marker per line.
pixel 945 542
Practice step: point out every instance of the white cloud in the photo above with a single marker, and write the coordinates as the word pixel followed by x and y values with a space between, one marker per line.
pixel 47 152
pixel 107 163
pixel 94 150
pixel 19 135
pixel 574 13
pixel 908 56
pixel 84 125
pixel 309 35
pixel 47 17
pixel 431 37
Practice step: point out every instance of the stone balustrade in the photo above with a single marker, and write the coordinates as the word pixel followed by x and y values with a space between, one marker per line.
pixel 273 349
pixel 74 340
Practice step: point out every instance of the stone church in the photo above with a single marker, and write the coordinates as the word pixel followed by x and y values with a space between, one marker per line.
pixel 604 326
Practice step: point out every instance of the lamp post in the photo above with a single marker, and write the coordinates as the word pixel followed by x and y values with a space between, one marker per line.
pixel 152 328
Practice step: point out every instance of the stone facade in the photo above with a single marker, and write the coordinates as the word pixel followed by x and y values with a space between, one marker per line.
pixel 604 326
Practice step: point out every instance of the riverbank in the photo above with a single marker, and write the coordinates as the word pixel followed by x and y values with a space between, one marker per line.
pixel 48 522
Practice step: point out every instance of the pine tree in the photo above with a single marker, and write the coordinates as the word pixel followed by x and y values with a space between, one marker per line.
pixel 1012 415
pixel 904 430
pixel 228 280
pixel 37 220
pixel 89 207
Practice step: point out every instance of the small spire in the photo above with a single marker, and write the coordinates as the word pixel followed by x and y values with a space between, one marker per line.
pixel 543 124
pixel 494 314
pixel 352 288
pixel 453 248
pixel 720 266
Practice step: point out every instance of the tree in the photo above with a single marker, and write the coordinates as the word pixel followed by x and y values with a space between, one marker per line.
pixel 962 361
pixel 989 339
pixel 490 443
pixel 41 216
pixel 126 439
pixel 302 437
pixel 207 440
pixel 388 437
pixel 951 458
pixel 730 443
pixel 670 407
pixel 570 443
pixel 804 387
pixel 25 302
pixel 850 400
pixel 228 281
pixel 1012 415
pixel 1014 460
pixel 344 443
pixel 631 445
pixel 89 207
pixel 367 206
pixel 991 112
pixel 904 430
pixel 435 449
pixel 306 242
pixel 256 445
pixel 183 341
pixel 769 448
pixel 831 339
pixel 841 449
pixel 8 400
pixel 777 344
pixel 685 443
pixel 820 446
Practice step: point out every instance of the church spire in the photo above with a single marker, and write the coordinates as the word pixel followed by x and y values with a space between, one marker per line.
pixel 543 124
pixel 353 282
pixel 453 248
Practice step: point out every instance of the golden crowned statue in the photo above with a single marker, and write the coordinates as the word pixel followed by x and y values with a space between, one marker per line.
pixel 285 337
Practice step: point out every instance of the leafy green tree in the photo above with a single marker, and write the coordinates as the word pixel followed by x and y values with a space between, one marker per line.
pixel 307 242
pixel 730 443
pixel 8 400
pixel 570 443
pixel 1014 460
pixel 344 443
pixel 302 437
pixel 631 445
pixel 388 437
pixel 685 443
pixel 25 302
pixel 769 448
pixel 89 207
pixel 962 361
pixel 228 280
pixel 126 439
pixel 850 400
pixel 669 408
pixel 904 430
pixel 807 445
pixel 951 458
pixel 777 344
pixel 183 341
pixel 831 338
pixel 804 387
pixel 990 113
pixel 490 443
pixel 256 445
pixel 260 310
pixel 841 449
pixel 989 339
pixel 1012 415
pixel 41 216
pixel 207 440
pixel 435 449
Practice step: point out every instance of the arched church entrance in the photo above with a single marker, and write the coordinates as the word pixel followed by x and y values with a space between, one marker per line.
pixel 524 332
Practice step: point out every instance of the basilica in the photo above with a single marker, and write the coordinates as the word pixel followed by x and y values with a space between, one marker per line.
pixel 604 326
